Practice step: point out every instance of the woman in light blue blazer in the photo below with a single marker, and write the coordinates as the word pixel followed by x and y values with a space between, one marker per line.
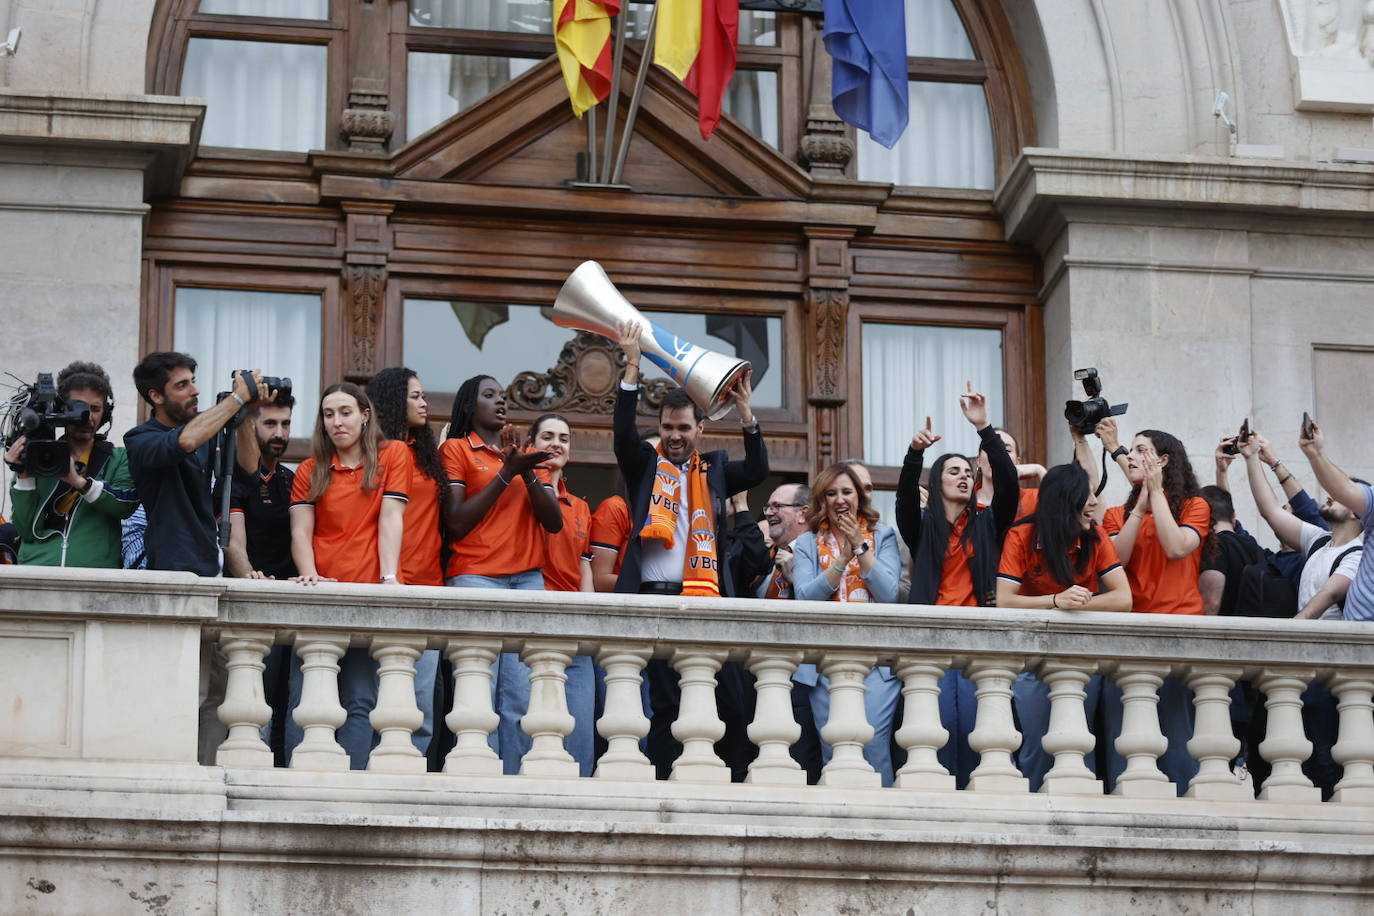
pixel 848 556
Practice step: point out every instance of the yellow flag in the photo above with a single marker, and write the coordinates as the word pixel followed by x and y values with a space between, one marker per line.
pixel 679 36
pixel 582 33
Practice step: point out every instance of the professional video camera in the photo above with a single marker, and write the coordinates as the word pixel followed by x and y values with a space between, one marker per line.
pixel 36 411
pixel 1086 414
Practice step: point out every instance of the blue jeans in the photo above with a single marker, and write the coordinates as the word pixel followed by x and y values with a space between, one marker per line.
pixel 959 716
pixel 511 689
pixel 1175 721
pixel 882 696
pixel 1032 700
pixel 357 695
pixel 426 671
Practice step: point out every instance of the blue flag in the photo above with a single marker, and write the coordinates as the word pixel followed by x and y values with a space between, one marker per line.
pixel 867 42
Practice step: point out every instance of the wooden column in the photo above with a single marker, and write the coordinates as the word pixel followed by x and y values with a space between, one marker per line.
pixel 827 311
pixel 367 241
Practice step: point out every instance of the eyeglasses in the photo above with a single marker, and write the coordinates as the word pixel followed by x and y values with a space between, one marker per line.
pixel 778 507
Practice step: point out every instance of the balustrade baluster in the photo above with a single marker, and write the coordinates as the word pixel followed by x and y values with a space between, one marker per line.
pixel 548 721
pixel 623 723
pixel 319 714
pixel 994 735
pixel 396 715
pixel 921 734
pixel 847 730
pixel 1141 742
pixel 774 728
pixel 698 724
pixel 472 718
pixel 244 710
pixel 1213 744
pixel 1354 750
pixel 1068 737
pixel 1285 744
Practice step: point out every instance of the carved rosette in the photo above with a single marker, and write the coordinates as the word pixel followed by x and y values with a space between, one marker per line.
pixel 364 285
pixel 584 380
pixel 367 123
pixel 830 311
pixel 826 147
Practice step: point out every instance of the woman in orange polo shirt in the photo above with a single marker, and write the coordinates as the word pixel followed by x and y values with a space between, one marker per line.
pixel 1159 534
pixel 498 514
pixel 569 569
pixel 398 398
pixel 1058 557
pixel 348 505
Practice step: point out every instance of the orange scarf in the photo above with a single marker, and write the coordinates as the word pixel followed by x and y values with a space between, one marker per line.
pixel 852 584
pixel 699 566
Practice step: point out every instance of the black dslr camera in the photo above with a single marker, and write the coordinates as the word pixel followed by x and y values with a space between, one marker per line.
pixel 36 412
pixel 1086 414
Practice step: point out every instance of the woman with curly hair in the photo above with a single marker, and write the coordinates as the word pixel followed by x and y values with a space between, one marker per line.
pixel 1158 535
pixel 398 401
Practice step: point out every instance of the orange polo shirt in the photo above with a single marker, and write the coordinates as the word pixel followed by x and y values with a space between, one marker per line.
pixel 1023 561
pixel 567 548
pixel 611 527
pixel 1160 585
pixel 956 580
pixel 346 515
pixel 423 541
pixel 508 539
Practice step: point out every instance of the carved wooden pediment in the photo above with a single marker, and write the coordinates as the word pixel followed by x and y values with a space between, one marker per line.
pixel 525 135
pixel 584 380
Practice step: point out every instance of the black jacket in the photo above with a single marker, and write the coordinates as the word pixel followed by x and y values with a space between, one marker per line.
pixel 989 526
pixel 637 461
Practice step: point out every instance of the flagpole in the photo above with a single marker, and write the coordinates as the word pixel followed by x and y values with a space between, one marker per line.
pixel 590 117
pixel 633 111
pixel 617 63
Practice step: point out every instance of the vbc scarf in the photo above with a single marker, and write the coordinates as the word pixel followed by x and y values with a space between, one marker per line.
pixel 852 584
pixel 700 575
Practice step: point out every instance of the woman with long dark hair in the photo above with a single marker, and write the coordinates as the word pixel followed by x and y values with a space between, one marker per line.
pixel 955 545
pixel 1159 534
pixel 498 514
pixel 398 401
pixel 1058 557
pixel 348 503
pixel 847 556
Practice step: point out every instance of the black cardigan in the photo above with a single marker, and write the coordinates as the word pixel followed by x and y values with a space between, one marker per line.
pixel 989 525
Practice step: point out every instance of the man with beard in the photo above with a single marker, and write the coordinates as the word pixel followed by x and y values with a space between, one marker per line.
pixel 170 456
pixel 259 529
pixel 74 520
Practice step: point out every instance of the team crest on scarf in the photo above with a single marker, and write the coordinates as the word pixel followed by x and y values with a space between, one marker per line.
pixel 700 568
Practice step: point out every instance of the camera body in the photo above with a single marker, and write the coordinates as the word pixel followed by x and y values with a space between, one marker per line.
pixel 281 385
pixel 38 412
pixel 1084 415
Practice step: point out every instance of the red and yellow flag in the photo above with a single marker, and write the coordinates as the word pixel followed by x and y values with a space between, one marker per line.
pixel 697 41
pixel 582 35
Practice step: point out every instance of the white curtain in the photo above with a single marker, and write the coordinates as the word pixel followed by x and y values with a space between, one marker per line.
pixel 261 95
pixel 282 9
pixel 229 329
pixel 752 99
pixel 914 371
pixel 438 86
pixel 934 29
pixel 530 17
pixel 947 144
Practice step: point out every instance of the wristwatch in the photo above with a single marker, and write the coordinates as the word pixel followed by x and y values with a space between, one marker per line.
pixel 861 549
pixel 388 578
pixel 86 487
pixel 1120 450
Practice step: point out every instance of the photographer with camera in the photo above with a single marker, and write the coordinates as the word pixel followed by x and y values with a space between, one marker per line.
pixel 172 461
pixel 73 518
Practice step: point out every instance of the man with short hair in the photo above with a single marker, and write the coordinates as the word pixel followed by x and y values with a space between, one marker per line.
pixel 788 515
pixel 171 459
pixel 1225 555
pixel 1358 497
pixel 260 530
pixel 75 520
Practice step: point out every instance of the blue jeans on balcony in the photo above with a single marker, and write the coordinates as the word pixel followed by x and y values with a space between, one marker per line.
pixel 1031 697
pixel 882 696
pixel 959 716
pixel 357 695
pixel 1175 721
pixel 511 689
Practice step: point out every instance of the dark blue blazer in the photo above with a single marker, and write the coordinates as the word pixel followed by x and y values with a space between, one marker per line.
pixel 638 460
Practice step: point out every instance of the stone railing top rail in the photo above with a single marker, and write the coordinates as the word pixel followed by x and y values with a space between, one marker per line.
pixel 885 631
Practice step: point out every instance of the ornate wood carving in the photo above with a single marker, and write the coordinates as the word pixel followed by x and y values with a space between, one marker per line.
pixel 364 285
pixel 584 380
pixel 367 123
pixel 826 147
pixel 829 311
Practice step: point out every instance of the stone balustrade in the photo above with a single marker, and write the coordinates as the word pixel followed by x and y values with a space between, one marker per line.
pixel 98 674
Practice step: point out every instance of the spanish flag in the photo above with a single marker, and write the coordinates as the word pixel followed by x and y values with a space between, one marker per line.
pixel 696 41
pixel 582 34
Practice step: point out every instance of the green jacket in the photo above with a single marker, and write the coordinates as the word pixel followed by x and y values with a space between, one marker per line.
pixel 90 535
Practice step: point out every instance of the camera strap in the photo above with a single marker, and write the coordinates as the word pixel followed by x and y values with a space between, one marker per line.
pixel 1102 481
pixel 252 385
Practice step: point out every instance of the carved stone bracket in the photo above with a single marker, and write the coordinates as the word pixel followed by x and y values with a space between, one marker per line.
pixel 585 380
pixel 364 286
pixel 367 123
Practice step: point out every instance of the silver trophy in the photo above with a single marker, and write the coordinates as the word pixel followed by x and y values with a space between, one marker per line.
pixel 589 301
